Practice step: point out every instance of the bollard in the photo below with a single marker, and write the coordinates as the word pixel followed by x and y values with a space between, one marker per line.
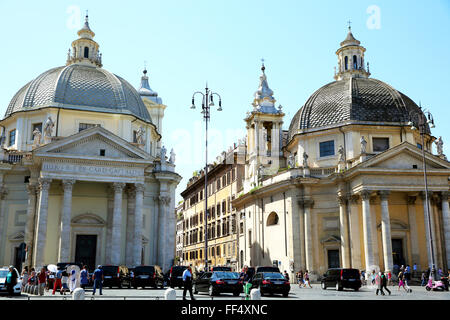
pixel 78 294
pixel 36 290
pixel 255 294
pixel 170 294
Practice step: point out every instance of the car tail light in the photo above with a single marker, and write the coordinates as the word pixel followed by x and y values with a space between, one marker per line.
pixel 287 282
pixel 241 282
pixel 220 282
pixel 266 282
pixel 154 275
pixel 341 274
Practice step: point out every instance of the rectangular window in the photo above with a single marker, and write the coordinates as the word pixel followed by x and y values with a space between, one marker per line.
pixel 326 148
pixel 380 144
pixel 12 137
pixel 102 152
pixel 84 126
pixel 419 146
pixel 34 127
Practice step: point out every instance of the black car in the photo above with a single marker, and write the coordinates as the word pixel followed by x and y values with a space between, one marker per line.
pixel 148 276
pixel 220 268
pixel 341 278
pixel 175 277
pixel 271 282
pixel 116 276
pixel 217 282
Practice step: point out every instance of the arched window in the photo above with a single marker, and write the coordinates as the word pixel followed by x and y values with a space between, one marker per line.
pixel 86 52
pixel 355 63
pixel 346 63
pixel 272 219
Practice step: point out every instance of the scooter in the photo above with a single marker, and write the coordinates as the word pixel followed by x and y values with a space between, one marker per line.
pixel 439 285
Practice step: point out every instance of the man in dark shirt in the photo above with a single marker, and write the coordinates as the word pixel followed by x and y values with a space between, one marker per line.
pixel 98 280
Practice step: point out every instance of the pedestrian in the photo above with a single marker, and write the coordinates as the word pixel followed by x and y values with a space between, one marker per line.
pixel 363 277
pixel 402 283
pixel 57 284
pixel 73 281
pixel 389 278
pixel 379 283
pixel 301 281
pixel 32 280
pixel 286 276
pixel 441 274
pixel 373 276
pixel 84 278
pixel 98 279
pixel 42 281
pixel 306 277
pixel 244 276
pixel 384 282
pixel 423 279
pixel 187 282
pixel 415 270
pixel 50 280
pixel 11 280
pixel 24 276
pixel 64 282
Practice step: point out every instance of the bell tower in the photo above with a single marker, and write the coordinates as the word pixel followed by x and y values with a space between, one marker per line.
pixel 264 135
pixel 351 59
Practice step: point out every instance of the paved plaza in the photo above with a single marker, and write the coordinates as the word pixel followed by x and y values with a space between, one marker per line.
pixel 296 293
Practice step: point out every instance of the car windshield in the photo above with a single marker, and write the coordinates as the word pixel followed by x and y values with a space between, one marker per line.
pixel 222 269
pixel 3 273
pixel 110 269
pixel 273 276
pixel 144 270
pixel 226 275
pixel 353 273
pixel 178 269
pixel 268 269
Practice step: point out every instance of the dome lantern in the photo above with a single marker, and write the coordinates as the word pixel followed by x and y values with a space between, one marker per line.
pixel 351 59
pixel 264 101
pixel 85 49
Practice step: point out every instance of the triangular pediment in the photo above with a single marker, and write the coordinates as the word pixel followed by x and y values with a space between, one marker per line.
pixel 95 142
pixel 405 156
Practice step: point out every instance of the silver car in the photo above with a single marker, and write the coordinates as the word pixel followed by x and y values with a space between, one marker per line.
pixel 3 273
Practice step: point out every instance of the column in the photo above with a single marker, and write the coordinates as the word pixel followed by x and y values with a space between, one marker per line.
pixel 41 232
pixel 3 220
pixel 386 231
pixel 411 200
pixel 446 224
pixel 343 228
pixel 116 223
pixel 309 257
pixel 139 206
pixel 163 260
pixel 109 216
pixel 367 229
pixel 130 235
pixel 355 240
pixel 426 212
pixel 64 238
pixel 29 227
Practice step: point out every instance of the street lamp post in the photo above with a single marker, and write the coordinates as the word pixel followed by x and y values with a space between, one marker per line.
pixel 422 123
pixel 207 102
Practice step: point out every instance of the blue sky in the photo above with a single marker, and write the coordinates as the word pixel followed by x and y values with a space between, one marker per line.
pixel 187 43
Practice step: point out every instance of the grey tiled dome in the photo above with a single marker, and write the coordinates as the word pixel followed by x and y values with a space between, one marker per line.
pixel 354 100
pixel 80 87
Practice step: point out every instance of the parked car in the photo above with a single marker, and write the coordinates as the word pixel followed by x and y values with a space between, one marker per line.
pixel 267 269
pixel 221 268
pixel 116 276
pixel 148 276
pixel 341 278
pixel 3 273
pixel 175 278
pixel 217 282
pixel 271 282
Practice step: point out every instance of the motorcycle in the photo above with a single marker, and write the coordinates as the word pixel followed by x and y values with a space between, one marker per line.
pixel 439 285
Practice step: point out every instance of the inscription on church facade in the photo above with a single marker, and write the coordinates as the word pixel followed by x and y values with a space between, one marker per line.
pixel 87 169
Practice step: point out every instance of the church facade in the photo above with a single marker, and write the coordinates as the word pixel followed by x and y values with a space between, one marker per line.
pixel 344 185
pixel 84 175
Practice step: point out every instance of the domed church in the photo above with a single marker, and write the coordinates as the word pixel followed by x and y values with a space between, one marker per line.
pixel 84 175
pixel 344 185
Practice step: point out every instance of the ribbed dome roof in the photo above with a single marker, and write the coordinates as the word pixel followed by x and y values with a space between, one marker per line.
pixel 80 87
pixel 353 100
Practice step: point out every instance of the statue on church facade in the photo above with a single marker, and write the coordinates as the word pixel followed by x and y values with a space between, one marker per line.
pixel 440 146
pixel 172 157
pixel 36 137
pixel 363 145
pixel 305 160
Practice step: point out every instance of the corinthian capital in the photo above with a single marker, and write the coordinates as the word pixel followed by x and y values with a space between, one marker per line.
pixel 164 200
pixel 365 194
pixel 140 187
pixel 44 183
pixel 68 184
pixel 384 194
pixel 118 187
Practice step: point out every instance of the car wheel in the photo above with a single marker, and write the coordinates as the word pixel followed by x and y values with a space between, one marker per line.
pixel 236 294
pixel 324 286
pixel 211 291
pixel 285 294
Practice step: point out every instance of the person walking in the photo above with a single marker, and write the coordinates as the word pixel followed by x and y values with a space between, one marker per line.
pixel 98 280
pixel 286 276
pixel 42 280
pixel 424 279
pixel 306 277
pixel 373 276
pixel 384 282
pixel 32 280
pixel 57 284
pixel 379 284
pixel 64 282
pixel 84 278
pixel 187 283
pixel 401 281
pixel 24 276
pixel 389 279
pixel 11 280
pixel 301 281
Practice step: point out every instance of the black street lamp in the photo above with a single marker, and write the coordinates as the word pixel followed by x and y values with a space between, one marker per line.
pixel 425 118
pixel 207 102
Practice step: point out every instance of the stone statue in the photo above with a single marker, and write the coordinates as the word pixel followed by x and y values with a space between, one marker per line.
pixel 363 145
pixel 291 161
pixel 48 127
pixel 140 135
pixel 36 137
pixel 341 154
pixel 305 160
pixel 260 172
pixel 172 157
pixel 439 146
pixel 163 154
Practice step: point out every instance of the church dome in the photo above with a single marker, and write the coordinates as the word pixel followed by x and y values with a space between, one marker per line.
pixel 353 98
pixel 79 87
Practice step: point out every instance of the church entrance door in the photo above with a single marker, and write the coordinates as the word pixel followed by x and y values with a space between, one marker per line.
pixel 85 250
